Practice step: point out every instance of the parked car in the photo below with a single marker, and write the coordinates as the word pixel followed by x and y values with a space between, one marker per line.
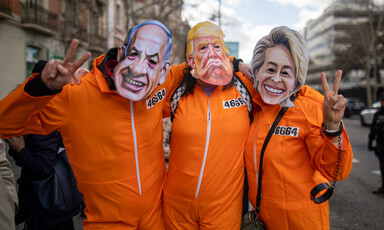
pixel 354 106
pixel 366 115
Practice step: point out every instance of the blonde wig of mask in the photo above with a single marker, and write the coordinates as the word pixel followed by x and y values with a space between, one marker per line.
pixel 295 43
pixel 204 29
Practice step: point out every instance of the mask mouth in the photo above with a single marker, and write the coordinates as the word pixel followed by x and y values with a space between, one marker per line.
pixel 130 80
pixel 215 72
pixel 214 68
pixel 276 91
pixel 214 62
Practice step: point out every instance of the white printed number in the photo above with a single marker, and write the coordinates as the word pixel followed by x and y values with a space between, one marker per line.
pixel 233 103
pixel 159 95
pixel 287 131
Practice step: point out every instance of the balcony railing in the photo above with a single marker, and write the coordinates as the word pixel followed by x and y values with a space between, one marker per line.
pixel 5 7
pixel 37 15
pixel 97 41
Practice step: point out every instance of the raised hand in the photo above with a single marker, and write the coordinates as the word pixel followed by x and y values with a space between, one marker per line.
pixel 246 70
pixel 80 72
pixel 334 104
pixel 58 73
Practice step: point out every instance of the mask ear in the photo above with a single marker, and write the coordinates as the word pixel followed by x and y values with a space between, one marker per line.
pixel 164 72
pixel 120 52
pixel 191 62
pixel 295 84
pixel 255 80
pixel 255 75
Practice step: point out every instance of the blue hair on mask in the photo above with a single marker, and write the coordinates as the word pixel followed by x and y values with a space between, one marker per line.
pixel 151 22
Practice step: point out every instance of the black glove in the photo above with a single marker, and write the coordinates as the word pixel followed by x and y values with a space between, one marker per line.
pixel 370 147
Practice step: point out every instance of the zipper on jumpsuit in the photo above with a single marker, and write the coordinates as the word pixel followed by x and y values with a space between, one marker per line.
pixel 206 149
pixel 135 146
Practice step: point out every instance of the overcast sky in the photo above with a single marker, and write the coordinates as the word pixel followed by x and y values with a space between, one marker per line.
pixel 246 21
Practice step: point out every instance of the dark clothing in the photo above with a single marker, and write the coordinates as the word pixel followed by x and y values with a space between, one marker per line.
pixel 245 194
pixel 37 160
pixel 377 133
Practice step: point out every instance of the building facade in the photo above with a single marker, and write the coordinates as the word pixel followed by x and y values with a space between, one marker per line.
pixel 327 36
pixel 32 30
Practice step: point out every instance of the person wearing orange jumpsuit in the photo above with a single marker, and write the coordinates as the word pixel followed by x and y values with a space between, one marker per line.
pixel 113 133
pixel 299 154
pixel 204 186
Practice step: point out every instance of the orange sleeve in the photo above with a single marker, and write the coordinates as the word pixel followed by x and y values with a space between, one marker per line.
pixel 21 113
pixel 323 152
pixel 174 77
pixel 331 155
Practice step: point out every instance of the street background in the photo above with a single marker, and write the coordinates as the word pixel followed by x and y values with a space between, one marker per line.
pixel 352 206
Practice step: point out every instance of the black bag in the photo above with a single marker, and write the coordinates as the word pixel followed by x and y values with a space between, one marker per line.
pixel 251 221
pixel 58 193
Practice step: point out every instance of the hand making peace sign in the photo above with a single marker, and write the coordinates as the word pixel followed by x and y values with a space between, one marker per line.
pixel 58 73
pixel 334 104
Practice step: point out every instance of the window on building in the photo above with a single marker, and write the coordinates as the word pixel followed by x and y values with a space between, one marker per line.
pixel 42 3
pixel 31 58
pixel 96 26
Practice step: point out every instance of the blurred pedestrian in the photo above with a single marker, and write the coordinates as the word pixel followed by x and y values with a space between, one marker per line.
pixel 377 134
pixel 8 195
pixel 36 155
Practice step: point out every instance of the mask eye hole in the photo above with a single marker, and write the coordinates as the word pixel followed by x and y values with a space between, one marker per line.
pixel 203 48
pixel 152 63
pixel 132 55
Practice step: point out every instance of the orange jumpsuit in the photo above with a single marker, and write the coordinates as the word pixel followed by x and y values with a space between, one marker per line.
pixel 295 160
pixel 204 186
pixel 114 146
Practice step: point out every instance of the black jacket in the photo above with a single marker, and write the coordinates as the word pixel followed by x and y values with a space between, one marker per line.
pixel 377 131
pixel 37 161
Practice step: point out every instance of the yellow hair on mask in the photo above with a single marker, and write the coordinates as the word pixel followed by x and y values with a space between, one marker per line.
pixel 204 29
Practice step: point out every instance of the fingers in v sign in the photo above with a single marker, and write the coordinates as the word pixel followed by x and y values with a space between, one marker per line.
pixel 58 73
pixel 334 103
pixel 336 83
pixel 76 64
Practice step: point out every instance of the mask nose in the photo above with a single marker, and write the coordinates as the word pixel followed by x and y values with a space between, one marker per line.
pixel 212 53
pixel 138 66
pixel 276 77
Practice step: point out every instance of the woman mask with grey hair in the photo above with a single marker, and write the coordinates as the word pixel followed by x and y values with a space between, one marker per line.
pixel 292 74
pixel 303 150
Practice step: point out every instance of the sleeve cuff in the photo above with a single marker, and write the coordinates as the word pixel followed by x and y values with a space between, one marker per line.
pixel 36 88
